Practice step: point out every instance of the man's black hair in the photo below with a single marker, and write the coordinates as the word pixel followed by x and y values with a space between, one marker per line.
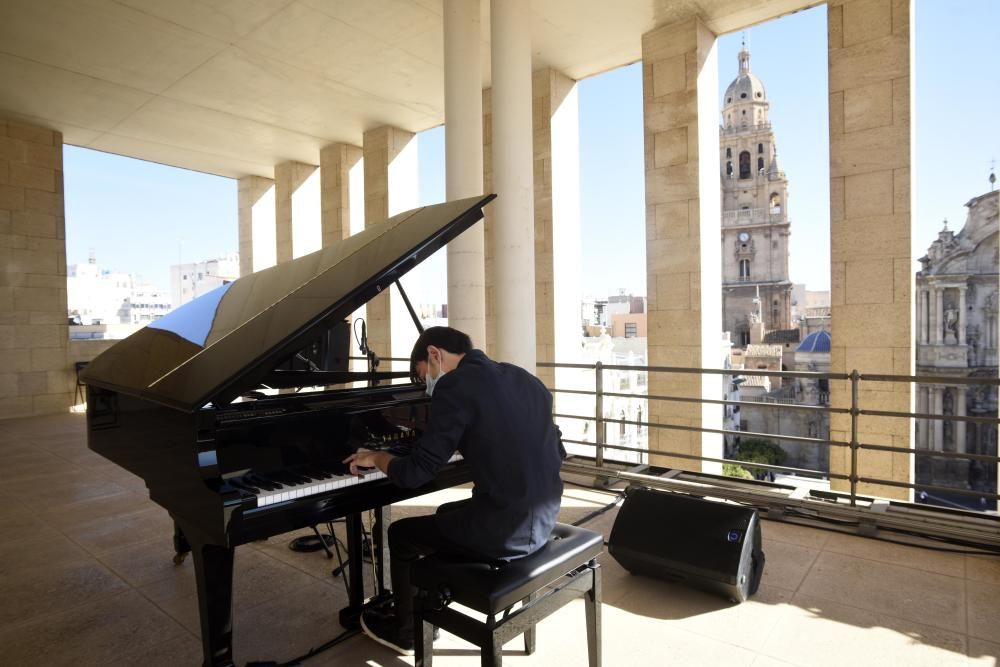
pixel 446 338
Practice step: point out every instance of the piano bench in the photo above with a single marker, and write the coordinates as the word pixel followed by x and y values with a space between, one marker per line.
pixel 561 571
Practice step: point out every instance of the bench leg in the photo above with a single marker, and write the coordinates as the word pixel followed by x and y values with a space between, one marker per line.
pixel 423 637
pixel 529 634
pixel 592 602
pixel 491 655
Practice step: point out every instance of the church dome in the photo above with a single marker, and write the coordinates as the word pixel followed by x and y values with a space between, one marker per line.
pixel 746 87
pixel 817 341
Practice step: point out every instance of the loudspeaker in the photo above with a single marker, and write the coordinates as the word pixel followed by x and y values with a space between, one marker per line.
pixel 711 545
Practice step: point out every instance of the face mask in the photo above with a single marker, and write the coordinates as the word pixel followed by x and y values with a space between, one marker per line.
pixel 430 379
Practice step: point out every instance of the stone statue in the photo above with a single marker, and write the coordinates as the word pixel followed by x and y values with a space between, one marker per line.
pixel 951 323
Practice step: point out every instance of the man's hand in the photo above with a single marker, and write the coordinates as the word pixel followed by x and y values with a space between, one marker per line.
pixel 364 458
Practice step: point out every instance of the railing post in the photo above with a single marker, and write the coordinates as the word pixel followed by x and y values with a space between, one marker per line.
pixel 599 391
pixel 854 436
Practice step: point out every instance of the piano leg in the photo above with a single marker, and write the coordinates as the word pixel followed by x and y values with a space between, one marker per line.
pixel 380 550
pixel 350 615
pixel 213 568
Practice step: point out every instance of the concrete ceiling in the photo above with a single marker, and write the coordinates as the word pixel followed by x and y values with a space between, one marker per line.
pixel 232 87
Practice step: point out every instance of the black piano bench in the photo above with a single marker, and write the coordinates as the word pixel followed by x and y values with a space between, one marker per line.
pixel 564 569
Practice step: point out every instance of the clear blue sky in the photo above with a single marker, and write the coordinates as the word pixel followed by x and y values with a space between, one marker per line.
pixel 141 217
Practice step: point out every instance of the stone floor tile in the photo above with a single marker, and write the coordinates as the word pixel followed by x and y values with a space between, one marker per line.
pixel 145 562
pixel 786 565
pixel 822 633
pixel 983 568
pixel 38 547
pixel 983 653
pixel 120 530
pixel 69 515
pixel 984 610
pixel 924 597
pixel 887 552
pixel 803 536
pixel 117 629
pixel 29 592
pixel 61 489
pixel 181 651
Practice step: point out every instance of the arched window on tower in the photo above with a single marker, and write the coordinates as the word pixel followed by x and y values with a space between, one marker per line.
pixel 744 269
pixel 729 152
pixel 760 164
pixel 745 164
pixel 775 204
pixel 729 168
pixel 760 148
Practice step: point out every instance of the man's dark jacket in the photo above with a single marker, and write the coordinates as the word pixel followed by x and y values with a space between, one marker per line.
pixel 499 417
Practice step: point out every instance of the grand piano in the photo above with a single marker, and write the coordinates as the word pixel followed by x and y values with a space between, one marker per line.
pixel 238 439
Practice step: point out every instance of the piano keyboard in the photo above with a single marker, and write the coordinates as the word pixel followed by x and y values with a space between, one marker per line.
pixel 280 487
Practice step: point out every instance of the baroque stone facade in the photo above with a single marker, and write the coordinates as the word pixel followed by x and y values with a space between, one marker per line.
pixel 956 314
pixel 755 226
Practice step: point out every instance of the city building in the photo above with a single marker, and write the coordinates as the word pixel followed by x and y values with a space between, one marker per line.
pixel 956 331
pixel 755 224
pixel 96 296
pixel 191 280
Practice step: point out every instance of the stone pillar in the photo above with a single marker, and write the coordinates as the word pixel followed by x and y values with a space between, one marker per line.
pixel 961 315
pixel 924 315
pixel 251 189
pixel 938 315
pixel 35 371
pixel 922 423
pixel 335 164
pixel 938 443
pixel 288 178
pixel 390 187
pixel 871 275
pixel 683 255
pixel 557 220
pixel 463 99
pixel 513 261
pixel 959 430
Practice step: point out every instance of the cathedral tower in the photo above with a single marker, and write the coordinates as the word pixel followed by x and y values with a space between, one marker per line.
pixel 755 227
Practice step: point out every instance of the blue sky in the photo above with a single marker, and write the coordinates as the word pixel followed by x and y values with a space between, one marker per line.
pixel 141 217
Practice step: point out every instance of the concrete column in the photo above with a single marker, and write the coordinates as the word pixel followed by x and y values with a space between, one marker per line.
pixel 870 228
pixel 683 254
pixel 489 226
pixel 959 430
pixel 514 263
pixel 288 178
pixel 251 190
pixel 557 220
pixel 463 100
pixel 938 315
pixel 335 164
pixel 35 371
pixel 961 315
pixel 390 167
pixel 938 444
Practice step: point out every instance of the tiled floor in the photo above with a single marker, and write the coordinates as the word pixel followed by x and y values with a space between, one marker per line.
pixel 86 578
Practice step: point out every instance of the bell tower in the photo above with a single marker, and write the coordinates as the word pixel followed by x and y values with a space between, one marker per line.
pixel 755 226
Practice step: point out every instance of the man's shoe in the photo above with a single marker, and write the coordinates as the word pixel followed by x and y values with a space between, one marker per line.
pixel 382 625
pixel 385 629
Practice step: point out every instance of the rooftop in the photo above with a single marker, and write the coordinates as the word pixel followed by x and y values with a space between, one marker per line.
pixel 89 580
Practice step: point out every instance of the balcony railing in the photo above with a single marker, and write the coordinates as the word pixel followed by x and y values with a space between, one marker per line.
pixel 749 216
pixel 868 513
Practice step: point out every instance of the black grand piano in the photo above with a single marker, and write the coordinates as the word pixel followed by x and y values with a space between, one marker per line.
pixel 238 439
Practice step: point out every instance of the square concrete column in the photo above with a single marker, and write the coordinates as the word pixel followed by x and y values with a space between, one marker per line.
pixel 871 265
pixel 35 371
pixel 254 193
pixel 289 210
pixel 556 130
pixel 683 255
pixel 488 227
pixel 390 167
pixel 960 398
pixel 335 164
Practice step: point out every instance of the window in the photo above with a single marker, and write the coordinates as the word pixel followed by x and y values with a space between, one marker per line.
pixel 760 164
pixel 729 152
pixel 729 168
pixel 775 203
pixel 745 164
pixel 760 148
pixel 744 338
pixel 744 269
pixel 631 330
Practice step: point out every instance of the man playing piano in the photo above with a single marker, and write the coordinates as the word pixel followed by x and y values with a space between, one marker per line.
pixel 499 417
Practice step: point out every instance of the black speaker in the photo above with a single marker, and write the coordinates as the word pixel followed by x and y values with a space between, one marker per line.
pixel 711 545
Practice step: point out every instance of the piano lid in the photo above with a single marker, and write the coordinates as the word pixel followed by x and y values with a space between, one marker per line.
pixel 221 344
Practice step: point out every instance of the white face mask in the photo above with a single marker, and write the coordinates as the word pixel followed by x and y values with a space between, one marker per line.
pixel 430 379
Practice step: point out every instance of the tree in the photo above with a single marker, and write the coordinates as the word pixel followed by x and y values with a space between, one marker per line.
pixel 755 450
